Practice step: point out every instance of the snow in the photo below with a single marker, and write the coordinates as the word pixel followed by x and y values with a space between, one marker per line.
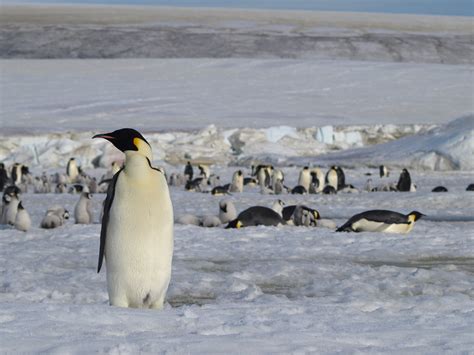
pixel 450 147
pixel 191 94
pixel 257 289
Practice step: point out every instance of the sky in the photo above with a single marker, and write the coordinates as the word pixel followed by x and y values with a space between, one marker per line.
pixel 426 7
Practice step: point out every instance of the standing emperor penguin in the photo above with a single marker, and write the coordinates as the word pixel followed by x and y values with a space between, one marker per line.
pixel 404 181
pixel 305 178
pixel 332 178
pixel 137 227
pixel 16 174
pixel 72 170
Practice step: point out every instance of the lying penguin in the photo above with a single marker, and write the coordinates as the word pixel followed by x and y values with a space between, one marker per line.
pixel 381 221
pixel 255 216
pixel 55 217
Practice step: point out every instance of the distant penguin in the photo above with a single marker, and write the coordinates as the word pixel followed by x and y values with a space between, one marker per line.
pixel 277 178
pixel 16 174
pixel 83 209
pixel 264 174
pixel 220 190
pixel 10 203
pixel 329 190
pixel 317 179
pixel 227 211
pixel 440 189
pixel 188 219
pixel 304 217
pixel 55 217
pixel 331 178
pixel 213 180
pixel 195 185
pixel 291 217
pixel 304 178
pixel 72 171
pixel 61 188
pixel 93 186
pixel 404 181
pixel 279 188
pixel 188 171
pixel 368 186
pixel 136 237
pixel 204 171
pixel 250 181
pixel 381 221
pixel 278 207
pixel 299 190
pixel 210 221
pixel 3 176
pixel 349 189
pixel 255 216
pixel 237 184
pixel 22 220
pixel 470 187
pixel 341 178
pixel 383 171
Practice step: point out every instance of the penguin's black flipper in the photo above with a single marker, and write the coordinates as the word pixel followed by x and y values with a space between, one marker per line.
pixel 346 227
pixel 105 217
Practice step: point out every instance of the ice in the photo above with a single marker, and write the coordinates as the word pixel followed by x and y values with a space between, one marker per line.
pixel 275 289
pixel 450 147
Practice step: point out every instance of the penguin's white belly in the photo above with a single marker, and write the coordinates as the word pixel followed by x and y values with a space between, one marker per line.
pixel 399 228
pixel 364 225
pixel 139 242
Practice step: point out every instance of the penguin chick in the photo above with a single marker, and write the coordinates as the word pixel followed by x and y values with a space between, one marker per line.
pixel 278 207
pixel 55 217
pixel 23 220
pixel 210 221
pixel 10 208
pixel 227 211
pixel 237 182
pixel 83 209
pixel 188 219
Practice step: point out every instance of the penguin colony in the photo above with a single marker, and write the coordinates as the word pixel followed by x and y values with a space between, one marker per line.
pixel 136 239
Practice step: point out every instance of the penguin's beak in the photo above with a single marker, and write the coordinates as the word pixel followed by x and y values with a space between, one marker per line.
pixel 107 136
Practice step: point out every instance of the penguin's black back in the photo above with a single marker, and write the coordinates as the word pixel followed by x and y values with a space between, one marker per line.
pixel 382 216
pixel 404 182
pixel 259 215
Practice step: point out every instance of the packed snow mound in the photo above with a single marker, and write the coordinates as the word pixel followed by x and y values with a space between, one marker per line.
pixel 449 147
pixel 279 145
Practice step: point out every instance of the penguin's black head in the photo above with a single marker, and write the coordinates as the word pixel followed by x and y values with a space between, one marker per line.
pixel 223 207
pixel 416 215
pixel 20 206
pixel 124 139
pixel 234 224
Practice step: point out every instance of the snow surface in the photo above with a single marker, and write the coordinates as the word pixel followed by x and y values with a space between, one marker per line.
pixel 258 289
